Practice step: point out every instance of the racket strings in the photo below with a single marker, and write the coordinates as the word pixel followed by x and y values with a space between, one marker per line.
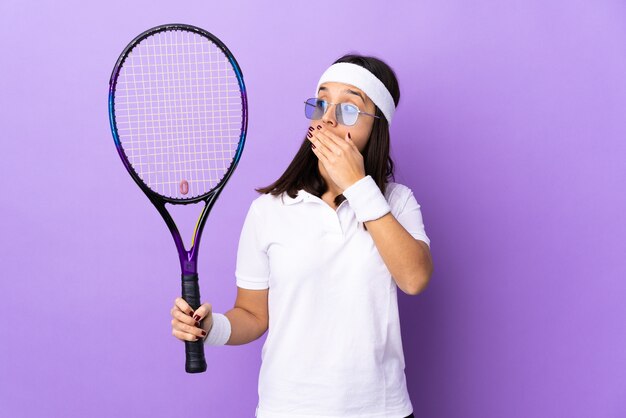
pixel 179 112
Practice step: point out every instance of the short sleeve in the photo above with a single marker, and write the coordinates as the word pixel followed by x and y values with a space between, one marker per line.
pixel 252 268
pixel 410 217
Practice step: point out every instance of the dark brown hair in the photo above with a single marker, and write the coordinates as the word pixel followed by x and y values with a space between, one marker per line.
pixel 303 172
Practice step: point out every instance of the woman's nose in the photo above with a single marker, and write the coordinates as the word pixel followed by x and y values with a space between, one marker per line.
pixel 330 115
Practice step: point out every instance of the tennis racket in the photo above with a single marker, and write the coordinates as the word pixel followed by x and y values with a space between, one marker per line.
pixel 179 114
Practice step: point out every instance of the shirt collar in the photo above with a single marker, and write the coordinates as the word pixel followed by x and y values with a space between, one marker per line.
pixel 301 195
pixel 304 196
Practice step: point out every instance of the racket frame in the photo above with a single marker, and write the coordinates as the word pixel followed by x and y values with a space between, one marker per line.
pixel 188 258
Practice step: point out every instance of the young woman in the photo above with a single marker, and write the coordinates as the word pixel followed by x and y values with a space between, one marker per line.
pixel 321 255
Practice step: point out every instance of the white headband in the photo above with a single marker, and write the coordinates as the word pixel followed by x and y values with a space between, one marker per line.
pixel 361 78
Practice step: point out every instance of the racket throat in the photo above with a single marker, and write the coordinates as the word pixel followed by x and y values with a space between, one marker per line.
pixel 189 266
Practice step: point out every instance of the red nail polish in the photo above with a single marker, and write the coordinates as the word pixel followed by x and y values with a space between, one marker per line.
pixel 349 135
pixel 196 317
pixel 310 128
pixel 313 146
pixel 319 127
pixel 203 333
pixel 310 135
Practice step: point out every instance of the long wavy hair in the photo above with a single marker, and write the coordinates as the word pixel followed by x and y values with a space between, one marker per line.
pixel 303 171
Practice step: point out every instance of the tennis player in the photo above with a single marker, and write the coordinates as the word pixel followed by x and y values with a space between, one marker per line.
pixel 321 254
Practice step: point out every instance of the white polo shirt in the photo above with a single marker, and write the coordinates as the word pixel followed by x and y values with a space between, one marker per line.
pixel 333 348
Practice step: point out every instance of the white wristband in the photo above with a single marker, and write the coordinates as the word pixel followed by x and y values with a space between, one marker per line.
pixel 366 200
pixel 220 331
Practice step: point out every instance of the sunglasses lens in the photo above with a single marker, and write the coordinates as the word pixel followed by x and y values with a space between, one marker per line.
pixel 349 114
pixel 314 109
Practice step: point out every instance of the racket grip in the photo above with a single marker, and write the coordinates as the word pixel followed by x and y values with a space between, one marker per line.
pixel 194 350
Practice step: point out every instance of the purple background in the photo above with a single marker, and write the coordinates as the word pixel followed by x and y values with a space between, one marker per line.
pixel 510 131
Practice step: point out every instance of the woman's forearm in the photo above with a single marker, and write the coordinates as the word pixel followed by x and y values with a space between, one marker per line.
pixel 244 327
pixel 407 259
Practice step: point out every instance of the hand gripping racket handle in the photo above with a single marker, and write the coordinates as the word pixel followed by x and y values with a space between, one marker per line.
pixel 194 350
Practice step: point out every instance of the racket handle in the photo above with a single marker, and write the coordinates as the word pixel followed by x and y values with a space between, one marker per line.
pixel 194 350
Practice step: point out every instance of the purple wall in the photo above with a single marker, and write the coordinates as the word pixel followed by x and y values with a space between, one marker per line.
pixel 510 131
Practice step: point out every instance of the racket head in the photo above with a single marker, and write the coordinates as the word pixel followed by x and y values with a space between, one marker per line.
pixel 178 112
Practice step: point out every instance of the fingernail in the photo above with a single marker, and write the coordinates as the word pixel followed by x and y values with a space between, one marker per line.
pixel 196 317
pixel 310 135
pixel 190 313
pixel 319 127
pixel 349 135
pixel 203 333
pixel 313 146
pixel 198 324
pixel 310 128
